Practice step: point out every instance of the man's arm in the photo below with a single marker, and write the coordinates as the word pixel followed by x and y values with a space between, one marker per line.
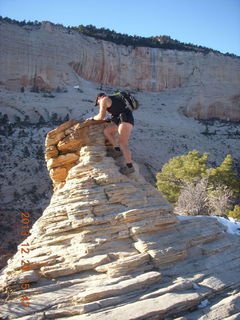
pixel 103 105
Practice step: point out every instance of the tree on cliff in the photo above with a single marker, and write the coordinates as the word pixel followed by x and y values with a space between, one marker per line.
pixel 163 42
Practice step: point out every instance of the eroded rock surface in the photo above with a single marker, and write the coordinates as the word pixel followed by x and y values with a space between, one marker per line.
pixel 109 247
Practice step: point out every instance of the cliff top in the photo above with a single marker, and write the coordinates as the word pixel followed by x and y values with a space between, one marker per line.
pixel 159 41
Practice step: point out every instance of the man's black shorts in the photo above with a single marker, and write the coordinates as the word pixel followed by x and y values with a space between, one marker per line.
pixel 123 117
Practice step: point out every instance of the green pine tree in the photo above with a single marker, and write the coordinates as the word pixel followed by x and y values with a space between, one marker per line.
pixel 224 175
pixel 235 213
pixel 192 168
pixel 181 169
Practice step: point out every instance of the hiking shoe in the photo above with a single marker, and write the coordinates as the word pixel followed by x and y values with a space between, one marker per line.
pixel 126 170
pixel 114 153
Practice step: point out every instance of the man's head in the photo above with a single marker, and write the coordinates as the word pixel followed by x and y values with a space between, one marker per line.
pixel 99 96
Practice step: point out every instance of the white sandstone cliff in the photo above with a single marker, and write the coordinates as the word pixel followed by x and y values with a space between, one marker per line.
pixel 50 56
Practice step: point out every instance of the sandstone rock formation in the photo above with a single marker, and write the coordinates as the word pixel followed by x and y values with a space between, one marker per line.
pixel 52 56
pixel 108 246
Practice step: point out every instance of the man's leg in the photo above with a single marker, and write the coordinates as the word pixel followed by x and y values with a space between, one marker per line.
pixel 109 133
pixel 124 130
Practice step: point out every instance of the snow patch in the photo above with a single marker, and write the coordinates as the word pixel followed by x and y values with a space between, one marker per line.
pixel 232 225
pixel 203 304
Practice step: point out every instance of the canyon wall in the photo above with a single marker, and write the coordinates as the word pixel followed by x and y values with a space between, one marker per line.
pixel 49 56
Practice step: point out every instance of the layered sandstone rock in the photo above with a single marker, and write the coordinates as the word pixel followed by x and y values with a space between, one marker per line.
pixel 51 56
pixel 108 246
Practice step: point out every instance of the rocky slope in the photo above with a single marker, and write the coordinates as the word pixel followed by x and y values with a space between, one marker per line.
pixel 108 246
pixel 162 131
pixel 50 56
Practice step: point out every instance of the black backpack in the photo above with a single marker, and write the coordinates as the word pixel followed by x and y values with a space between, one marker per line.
pixel 130 101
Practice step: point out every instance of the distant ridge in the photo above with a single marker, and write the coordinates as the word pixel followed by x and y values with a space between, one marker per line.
pixel 160 41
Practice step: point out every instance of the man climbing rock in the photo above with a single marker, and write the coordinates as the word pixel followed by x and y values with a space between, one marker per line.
pixel 122 121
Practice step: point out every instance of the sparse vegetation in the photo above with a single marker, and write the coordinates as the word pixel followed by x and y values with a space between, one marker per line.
pixel 220 200
pixel 26 152
pixel 197 199
pixel 180 170
pixel 235 213
pixel 35 89
pixel 193 199
pixel 55 118
pixel 196 189
pixel 61 89
pixel 21 23
pixel 40 153
pixel 48 95
pixel 213 127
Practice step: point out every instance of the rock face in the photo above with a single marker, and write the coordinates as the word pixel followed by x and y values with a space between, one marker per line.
pixel 109 247
pixel 51 56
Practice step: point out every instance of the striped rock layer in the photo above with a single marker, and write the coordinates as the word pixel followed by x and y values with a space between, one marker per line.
pixel 108 246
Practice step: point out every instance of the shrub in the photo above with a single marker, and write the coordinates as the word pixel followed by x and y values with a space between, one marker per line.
pixel 26 152
pixel 224 175
pixel 193 199
pixel 220 201
pixel 235 213
pixel 198 199
pixel 179 170
pixel 192 168
pixel 195 189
